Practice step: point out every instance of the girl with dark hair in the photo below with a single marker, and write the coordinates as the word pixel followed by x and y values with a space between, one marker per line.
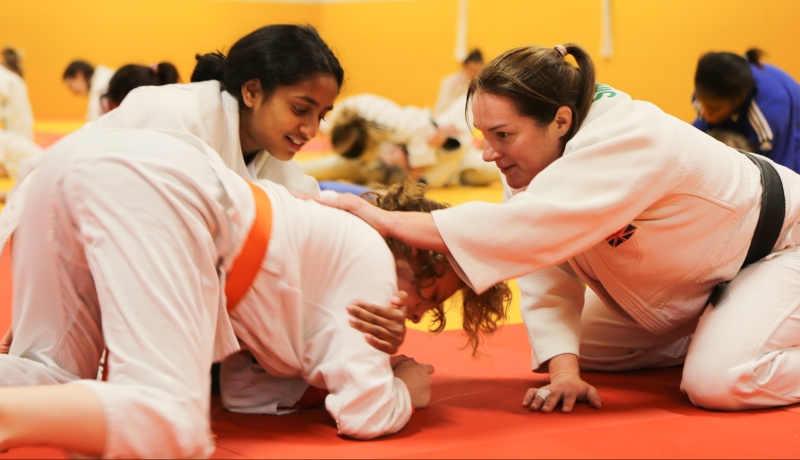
pixel 756 100
pixel 132 76
pixel 84 79
pixel 256 107
pixel 690 249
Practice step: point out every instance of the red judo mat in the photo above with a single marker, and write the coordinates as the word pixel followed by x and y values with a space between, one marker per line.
pixel 476 412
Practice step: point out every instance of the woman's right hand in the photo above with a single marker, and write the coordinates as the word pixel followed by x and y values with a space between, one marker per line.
pixel 5 344
pixel 566 387
pixel 417 378
pixel 359 207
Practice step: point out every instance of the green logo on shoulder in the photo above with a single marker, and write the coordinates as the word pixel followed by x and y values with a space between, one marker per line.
pixel 601 89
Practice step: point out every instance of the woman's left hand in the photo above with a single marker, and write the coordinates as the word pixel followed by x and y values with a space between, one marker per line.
pixel 384 327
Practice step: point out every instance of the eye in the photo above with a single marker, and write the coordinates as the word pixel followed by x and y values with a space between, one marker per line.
pixel 299 110
pixel 501 135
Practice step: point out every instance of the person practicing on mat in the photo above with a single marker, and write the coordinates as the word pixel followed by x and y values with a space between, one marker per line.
pixel 273 375
pixel 132 76
pixel 378 141
pixel 16 115
pixel 12 60
pixel 455 86
pixel 118 265
pixel 256 107
pixel 86 80
pixel 754 99
pixel 688 247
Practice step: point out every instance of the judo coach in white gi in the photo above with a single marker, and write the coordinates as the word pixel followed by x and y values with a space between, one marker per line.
pixel 652 215
pixel 134 233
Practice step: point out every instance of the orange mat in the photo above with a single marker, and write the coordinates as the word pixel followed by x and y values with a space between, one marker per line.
pixel 476 412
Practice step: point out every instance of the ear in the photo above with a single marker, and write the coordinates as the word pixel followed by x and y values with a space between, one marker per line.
pixel 251 92
pixel 563 120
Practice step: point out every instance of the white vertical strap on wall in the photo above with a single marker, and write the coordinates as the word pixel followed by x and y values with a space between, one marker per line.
pixel 461 32
pixel 607 40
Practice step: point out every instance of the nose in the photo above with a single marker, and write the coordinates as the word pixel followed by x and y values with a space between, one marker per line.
pixel 489 153
pixel 309 130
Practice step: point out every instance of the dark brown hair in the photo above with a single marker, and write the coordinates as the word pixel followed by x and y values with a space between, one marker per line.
pixel 539 81
pixel 726 75
pixel 481 312
pixel 12 60
pixel 132 76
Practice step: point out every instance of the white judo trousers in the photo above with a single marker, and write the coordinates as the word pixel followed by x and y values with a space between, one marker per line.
pixel 295 323
pixel 742 354
pixel 114 219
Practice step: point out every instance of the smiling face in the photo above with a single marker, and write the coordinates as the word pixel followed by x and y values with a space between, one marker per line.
pixel 282 122
pixel 425 295
pixel 519 146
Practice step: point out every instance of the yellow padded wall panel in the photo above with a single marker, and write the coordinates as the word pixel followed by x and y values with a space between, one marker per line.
pixel 52 33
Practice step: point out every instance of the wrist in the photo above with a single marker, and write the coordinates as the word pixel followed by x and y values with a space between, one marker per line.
pixel 565 365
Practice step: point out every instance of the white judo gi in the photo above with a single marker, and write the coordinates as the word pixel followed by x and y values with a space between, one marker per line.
pixel 408 126
pixel 97 88
pixel 294 322
pixel 15 108
pixel 18 154
pixel 651 215
pixel 201 109
pixel 122 245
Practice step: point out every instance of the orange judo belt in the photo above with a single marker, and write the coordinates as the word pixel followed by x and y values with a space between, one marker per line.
pixel 248 262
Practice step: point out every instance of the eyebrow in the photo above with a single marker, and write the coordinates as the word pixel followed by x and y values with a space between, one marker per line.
pixel 497 126
pixel 312 101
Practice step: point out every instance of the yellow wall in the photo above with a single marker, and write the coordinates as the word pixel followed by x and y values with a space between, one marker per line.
pixel 115 32
pixel 401 49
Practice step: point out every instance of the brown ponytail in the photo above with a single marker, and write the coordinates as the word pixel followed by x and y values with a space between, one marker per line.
pixel 753 56
pixel 539 80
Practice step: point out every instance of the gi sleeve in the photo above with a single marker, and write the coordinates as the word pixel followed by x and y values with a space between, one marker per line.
pixel 247 388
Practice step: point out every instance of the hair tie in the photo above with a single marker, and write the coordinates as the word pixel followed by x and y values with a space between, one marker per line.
pixel 561 49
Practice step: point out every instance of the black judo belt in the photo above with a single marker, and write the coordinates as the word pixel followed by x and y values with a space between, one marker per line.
pixel 770 219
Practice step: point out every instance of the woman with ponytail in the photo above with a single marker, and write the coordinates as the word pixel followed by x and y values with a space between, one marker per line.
pixel 678 237
pixel 132 76
pixel 743 95
pixel 256 106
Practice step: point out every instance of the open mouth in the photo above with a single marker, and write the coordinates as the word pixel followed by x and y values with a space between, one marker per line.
pixel 295 144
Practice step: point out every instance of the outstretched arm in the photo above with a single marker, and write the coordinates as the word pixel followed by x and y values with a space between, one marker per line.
pixel 417 229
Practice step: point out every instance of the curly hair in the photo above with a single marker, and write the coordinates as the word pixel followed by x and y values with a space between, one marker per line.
pixel 481 312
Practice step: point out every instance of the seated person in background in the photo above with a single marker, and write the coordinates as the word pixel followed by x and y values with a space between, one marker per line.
pixel 83 79
pixel 16 115
pixel 12 60
pixel 132 76
pixel 454 86
pixel 307 338
pixel 379 141
pixel 757 100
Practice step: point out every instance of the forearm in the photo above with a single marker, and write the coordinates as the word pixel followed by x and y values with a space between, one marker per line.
pixel 417 229
pixel 69 417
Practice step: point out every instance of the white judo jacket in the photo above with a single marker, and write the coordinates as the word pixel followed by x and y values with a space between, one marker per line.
pixel 647 211
pixel 97 88
pixel 202 110
pixel 15 108
pixel 294 322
